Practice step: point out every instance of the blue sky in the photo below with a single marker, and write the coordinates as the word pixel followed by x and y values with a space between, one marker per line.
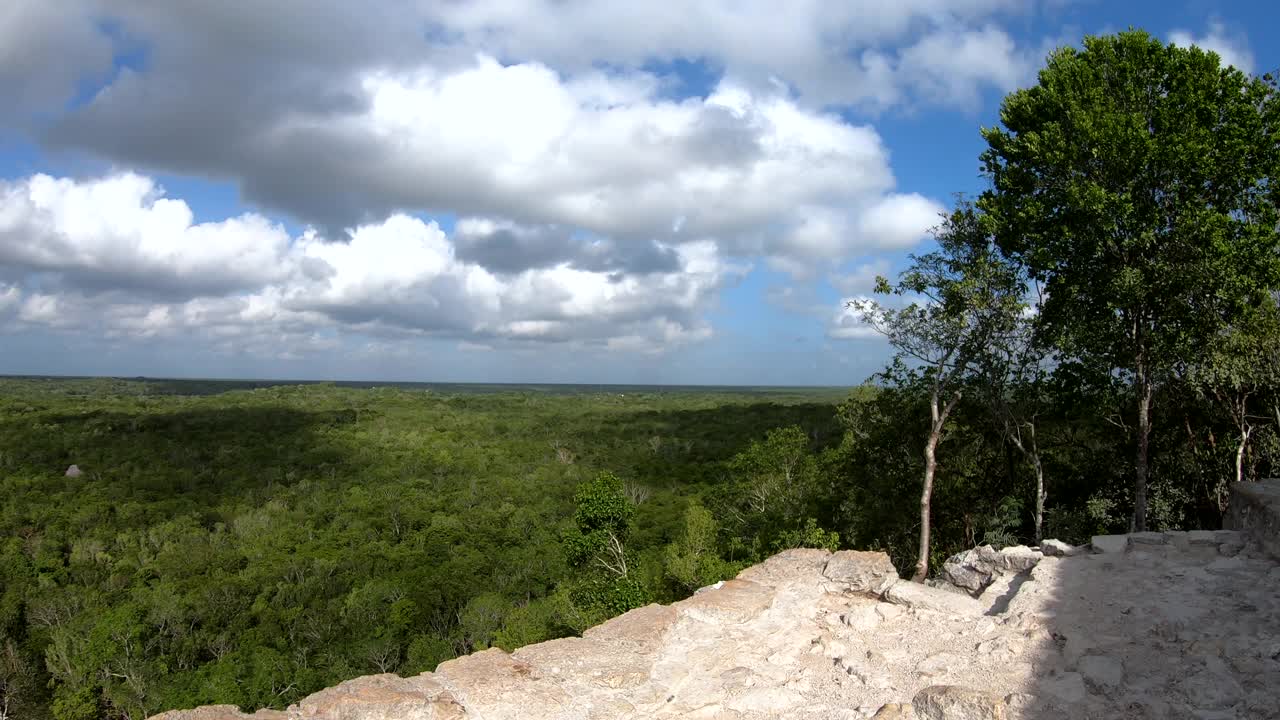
pixel 499 191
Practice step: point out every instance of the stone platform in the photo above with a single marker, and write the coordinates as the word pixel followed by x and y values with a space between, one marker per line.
pixel 1149 625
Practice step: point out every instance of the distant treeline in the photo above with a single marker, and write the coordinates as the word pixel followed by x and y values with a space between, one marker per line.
pixel 141 385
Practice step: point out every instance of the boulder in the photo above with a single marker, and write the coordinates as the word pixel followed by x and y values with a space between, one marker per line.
pixel 1057 548
pixel 1147 538
pixel 895 711
pixel 1254 508
pixel 735 601
pixel 788 566
pixel 1108 544
pixel 381 697
pixel 494 685
pixel 915 595
pixel 1202 538
pixel 973 570
pixel 860 573
pixel 951 702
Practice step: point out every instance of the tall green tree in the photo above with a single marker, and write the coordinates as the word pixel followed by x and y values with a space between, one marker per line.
pixel 1241 375
pixel 965 296
pixel 1135 180
pixel 1013 378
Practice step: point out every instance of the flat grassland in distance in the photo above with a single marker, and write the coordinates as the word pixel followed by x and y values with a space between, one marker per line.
pixel 250 542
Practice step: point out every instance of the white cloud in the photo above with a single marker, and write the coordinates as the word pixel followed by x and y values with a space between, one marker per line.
pixel 1232 48
pixel 345 116
pixel 10 298
pixel 816 47
pixel 120 231
pixel 953 66
pixel 600 200
pixel 520 141
pixel 899 221
pixel 117 246
pixel 601 154
pixel 862 281
pixel 850 321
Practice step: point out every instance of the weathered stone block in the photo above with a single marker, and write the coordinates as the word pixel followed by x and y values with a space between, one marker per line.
pixel 1147 538
pixel 380 697
pixel 734 601
pixel 951 702
pixel 919 596
pixel 1057 548
pixel 1254 508
pixel 866 573
pixel 1110 543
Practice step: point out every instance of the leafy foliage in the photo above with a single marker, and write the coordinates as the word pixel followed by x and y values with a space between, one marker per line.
pixel 253 546
pixel 1136 180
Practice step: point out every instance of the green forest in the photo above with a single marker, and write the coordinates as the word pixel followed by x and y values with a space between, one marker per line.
pixel 1091 345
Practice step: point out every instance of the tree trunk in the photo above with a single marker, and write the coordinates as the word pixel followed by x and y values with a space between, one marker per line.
pixel 1041 493
pixel 1244 443
pixel 938 419
pixel 1145 392
pixel 1040 498
pixel 926 496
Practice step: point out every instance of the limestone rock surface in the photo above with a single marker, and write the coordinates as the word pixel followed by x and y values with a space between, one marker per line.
pixel 973 570
pixel 1140 628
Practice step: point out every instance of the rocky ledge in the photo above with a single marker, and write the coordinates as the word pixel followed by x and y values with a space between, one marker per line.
pixel 1148 625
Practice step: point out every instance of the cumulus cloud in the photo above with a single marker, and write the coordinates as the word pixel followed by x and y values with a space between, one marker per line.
pixel 862 280
pixel 506 247
pixel 851 320
pixel 46 49
pixel 1232 48
pixel 953 66
pixel 342 114
pixel 120 232
pixel 831 53
pixel 524 144
pixel 119 251
pixel 595 201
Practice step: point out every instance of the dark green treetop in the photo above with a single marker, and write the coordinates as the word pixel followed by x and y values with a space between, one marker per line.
pixel 1135 181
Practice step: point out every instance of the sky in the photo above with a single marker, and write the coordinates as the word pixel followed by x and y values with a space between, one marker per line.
pixel 502 191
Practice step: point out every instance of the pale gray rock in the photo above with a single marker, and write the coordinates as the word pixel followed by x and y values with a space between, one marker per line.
pixel 1019 558
pixel 915 595
pixel 381 697
pixel 1153 631
pixel 865 573
pixel 1213 687
pixel 1103 673
pixel 1109 543
pixel 1203 537
pixel 895 711
pixel 789 566
pixel 1230 549
pixel 1147 538
pixel 950 702
pixel 1229 536
pixel 1057 548
pixel 939 664
pixel 973 570
pixel 766 700
pixel 734 601
pixel 74 471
